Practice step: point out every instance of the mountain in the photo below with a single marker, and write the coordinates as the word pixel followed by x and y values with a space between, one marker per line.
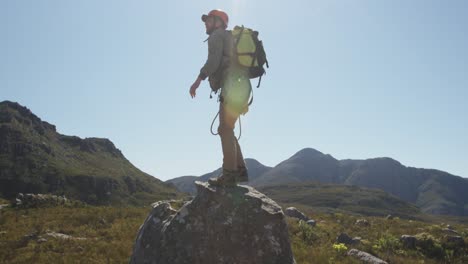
pixel 35 158
pixel 187 183
pixel 306 165
pixel 434 191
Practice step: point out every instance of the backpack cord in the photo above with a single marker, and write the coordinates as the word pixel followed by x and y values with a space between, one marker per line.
pixel 215 134
pixel 251 99
pixel 260 79
pixel 212 123
pixel 240 129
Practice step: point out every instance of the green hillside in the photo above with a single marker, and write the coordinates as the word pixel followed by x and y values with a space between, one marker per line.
pixel 34 158
pixel 341 198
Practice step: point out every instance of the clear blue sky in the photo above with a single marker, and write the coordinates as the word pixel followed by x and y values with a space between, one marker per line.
pixel 354 79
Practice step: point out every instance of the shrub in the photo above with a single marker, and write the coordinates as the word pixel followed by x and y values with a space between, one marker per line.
pixel 307 233
pixel 387 243
pixel 429 246
pixel 340 248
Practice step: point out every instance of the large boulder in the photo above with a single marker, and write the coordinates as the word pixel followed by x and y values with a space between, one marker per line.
pixel 365 257
pixel 295 213
pixel 345 239
pixel 409 242
pixel 220 225
pixel 454 242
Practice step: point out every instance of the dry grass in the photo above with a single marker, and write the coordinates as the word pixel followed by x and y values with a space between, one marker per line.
pixel 110 233
pixel 381 239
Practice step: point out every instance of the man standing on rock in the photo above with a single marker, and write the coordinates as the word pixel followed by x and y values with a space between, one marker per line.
pixel 233 79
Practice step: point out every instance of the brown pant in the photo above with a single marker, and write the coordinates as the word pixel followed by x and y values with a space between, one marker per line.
pixel 235 93
pixel 232 154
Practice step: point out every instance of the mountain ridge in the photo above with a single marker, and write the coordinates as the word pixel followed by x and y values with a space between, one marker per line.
pixel 434 191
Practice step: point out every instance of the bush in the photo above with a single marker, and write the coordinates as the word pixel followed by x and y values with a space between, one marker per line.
pixel 387 243
pixel 340 248
pixel 429 246
pixel 307 233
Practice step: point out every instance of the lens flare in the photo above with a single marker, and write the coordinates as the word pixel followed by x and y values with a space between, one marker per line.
pixel 236 90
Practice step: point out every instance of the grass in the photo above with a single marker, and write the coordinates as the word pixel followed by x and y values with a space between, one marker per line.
pixel 111 231
pixel 318 244
pixel 341 198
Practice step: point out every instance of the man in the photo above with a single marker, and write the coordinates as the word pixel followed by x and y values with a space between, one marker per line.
pixel 222 67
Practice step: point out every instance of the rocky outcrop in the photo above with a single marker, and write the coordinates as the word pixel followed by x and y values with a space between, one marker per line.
pixel 295 213
pixel 92 145
pixel 63 236
pixel 220 225
pixel 14 112
pixel 450 231
pixel 365 257
pixel 408 242
pixel 454 242
pixel 30 200
pixel 345 239
pixel 36 236
pixel 362 223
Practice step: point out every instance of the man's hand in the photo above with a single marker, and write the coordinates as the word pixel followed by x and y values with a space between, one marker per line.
pixel 194 87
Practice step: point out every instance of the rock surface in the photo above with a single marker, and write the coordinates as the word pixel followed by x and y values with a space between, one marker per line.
pixel 408 241
pixel 63 236
pixel 362 223
pixel 454 241
pixel 30 200
pixel 311 222
pixel 365 257
pixel 220 225
pixel 450 231
pixel 294 212
pixel 345 239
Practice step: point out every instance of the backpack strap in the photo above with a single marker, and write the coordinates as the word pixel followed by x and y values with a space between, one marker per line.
pixel 238 38
pixel 259 81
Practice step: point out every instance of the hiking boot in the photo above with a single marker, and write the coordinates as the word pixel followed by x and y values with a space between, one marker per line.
pixel 243 175
pixel 227 179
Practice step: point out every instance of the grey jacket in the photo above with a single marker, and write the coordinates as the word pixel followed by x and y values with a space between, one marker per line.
pixel 220 49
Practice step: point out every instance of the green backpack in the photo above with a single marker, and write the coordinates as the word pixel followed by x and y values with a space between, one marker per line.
pixel 249 51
